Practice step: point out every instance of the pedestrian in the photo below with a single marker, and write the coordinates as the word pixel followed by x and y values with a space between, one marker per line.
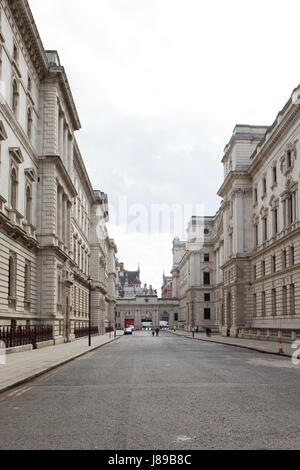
pixel 175 328
pixel 157 331
pixel 153 333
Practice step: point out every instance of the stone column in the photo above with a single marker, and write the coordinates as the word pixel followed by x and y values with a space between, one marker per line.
pixel 59 212
pixel 64 219
pixel 70 153
pixel 66 145
pixel 61 136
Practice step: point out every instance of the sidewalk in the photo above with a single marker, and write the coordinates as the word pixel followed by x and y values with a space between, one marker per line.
pixel 268 347
pixel 24 366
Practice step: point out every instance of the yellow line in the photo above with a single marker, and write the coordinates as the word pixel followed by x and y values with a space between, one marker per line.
pixel 11 394
pixel 23 391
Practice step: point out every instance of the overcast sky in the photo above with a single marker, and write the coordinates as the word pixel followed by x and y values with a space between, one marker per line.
pixel 159 86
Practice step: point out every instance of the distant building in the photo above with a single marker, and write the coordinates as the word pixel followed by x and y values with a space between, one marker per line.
pixel 129 281
pixel 166 290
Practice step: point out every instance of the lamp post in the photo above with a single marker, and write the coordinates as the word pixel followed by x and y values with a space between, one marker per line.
pixel 90 291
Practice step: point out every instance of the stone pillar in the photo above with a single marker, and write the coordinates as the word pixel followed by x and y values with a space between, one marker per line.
pixel 70 153
pixel 61 136
pixel 69 208
pixel 59 212
pixel 66 145
pixel 64 219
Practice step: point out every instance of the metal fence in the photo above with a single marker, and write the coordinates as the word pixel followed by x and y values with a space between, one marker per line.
pixel 82 332
pixel 14 336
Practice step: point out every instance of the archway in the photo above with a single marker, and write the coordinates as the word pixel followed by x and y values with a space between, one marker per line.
pixel 164 320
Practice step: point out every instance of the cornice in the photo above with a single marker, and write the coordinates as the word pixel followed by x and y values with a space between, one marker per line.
pixel 229 180
pixel 19 11
pixel 58 162
pixel 58 73
pixel 275 133
pixel 17 233
pixel 18 131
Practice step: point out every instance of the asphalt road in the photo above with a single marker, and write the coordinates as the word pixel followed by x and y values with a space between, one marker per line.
pixel 166 393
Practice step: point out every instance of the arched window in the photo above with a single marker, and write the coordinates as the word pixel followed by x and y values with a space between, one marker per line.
pixel 29 123
pixel 15 97
pixel 28 214
pixel 13 189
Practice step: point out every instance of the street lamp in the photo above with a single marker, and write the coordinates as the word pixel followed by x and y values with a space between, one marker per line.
pixel 90 291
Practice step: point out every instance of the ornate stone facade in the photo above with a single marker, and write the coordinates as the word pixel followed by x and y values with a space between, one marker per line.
pixel 253 241
pixel 147 309
pixel 53 232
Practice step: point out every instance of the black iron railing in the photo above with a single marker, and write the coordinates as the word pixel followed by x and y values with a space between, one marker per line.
pixel 14 336
pixel 83 332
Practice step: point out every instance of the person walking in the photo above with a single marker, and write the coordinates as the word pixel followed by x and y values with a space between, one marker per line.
pixel 153 333
pixel 157 331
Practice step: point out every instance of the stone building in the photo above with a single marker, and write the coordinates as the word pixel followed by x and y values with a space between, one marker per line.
pixel 166 289
pixel 253 242
pixel 52 223
pixel 146 309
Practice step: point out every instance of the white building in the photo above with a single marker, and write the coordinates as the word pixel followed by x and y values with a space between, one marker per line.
pixel 253 242
pixel 52 223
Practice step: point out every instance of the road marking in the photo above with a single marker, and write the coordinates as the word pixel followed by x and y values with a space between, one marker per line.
pixel 183 438
pixel 19 391
pixel 23 391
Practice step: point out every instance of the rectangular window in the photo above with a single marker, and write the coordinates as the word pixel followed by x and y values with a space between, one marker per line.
pixel 274 264
pixel 207 314
pixel 256 234
pixel 284 259
pixel 263 268
pixel 206 279
pixel 264 185
pixel 265 228
pixel 292 256
pixel 284 300
pixel 254 272
pixel 274 306
pixel 206 297
pixel 292 299
pixel 274 174
pixel 255 195
pixel 275 221
pixel 206 257
pixel 263 304
pixel 289 158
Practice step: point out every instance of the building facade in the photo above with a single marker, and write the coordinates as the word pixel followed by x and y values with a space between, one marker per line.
pixel 146 310
pixel 53 233
pixel 251 247
pixel 166 289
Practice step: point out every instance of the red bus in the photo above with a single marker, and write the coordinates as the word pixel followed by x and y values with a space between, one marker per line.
pixel 129 322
